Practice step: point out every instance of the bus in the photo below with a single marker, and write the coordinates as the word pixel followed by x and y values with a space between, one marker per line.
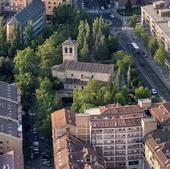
pixel 135 47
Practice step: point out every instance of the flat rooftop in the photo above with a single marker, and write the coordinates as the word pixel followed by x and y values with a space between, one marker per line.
pixel 162 22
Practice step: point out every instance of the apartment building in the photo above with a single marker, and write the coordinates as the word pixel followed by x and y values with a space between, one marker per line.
pixel 156 17
pixel 157 148
pixel 10 120
pixel 51 4
pixel 13 6
pixel 70 153
pixel 117 130
pixel 34 12
pixel 75 74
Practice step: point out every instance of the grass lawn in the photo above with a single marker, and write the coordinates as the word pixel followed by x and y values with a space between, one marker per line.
pixel 124 12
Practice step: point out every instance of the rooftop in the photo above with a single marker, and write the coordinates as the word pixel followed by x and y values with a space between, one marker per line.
pixel 161 21
pixel 159 143
pixel 63 117
pixel 71 152
pixel 84 67
pixel 161 111
pixel 119 110
pixel 10 110
pixel 109 123
pixel 70 42
pixel 29 12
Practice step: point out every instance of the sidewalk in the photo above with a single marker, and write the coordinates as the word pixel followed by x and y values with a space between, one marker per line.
pixel 150 60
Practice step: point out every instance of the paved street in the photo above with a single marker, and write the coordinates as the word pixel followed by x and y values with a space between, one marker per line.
pixel 147 73
pixel 35 161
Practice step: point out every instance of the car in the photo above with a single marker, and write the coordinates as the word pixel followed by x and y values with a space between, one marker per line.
pixel 34 131
pixel 35 137
pixel 154 92
pixel 102 8
pixel 112 16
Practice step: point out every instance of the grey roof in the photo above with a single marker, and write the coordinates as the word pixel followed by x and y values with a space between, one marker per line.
pixel 10 109
pixel 8 91
pixel 30 12
pixel 84 67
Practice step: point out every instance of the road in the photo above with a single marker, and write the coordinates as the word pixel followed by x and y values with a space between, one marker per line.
pixel 33 162
pixel 147 74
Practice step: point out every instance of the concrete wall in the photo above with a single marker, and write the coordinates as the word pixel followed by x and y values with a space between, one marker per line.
pixel 10 143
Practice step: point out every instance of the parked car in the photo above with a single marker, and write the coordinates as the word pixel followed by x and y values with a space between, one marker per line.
pixel 154 92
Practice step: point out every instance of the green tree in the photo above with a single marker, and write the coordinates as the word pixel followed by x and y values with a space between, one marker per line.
pixel 44 106
pixel 3 43
pixel 16 38
pixel 48 57
pixel 132 21
pixel 84 52
pixel 26 61
pixel 63 14
pixel 160 55
pixel 94 94
pixel 139 30
pixel 142 93
pixel 26 82
pixel 28 34
pixel 80 37
pixel 153 44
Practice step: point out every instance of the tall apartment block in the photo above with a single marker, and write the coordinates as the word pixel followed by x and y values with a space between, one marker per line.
pixel 13 6
pixel 51 4
pixel 10 125
pixel 116 130
pixel 156 18
pixel 34 13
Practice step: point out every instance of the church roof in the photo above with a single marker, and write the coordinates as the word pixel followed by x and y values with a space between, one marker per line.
pixel 84 67
pixel 70 42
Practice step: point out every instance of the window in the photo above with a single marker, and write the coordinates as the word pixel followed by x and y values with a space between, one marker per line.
pixel 92 76
pixel 71 50
pixel 81 76
pixel 72 75
pixel 82 87
pixel 133 162
pixel 65 50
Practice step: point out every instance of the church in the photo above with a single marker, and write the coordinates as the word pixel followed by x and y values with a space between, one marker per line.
pixel 75 74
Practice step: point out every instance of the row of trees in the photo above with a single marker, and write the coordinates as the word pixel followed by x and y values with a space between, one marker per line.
pixel 95 41
pixel 98 94
pixel 156 49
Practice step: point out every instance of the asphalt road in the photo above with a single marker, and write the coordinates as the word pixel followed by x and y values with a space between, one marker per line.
pixel 147 74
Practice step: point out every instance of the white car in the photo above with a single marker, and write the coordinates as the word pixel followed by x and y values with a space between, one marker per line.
pixel 154 92
pixel 112 16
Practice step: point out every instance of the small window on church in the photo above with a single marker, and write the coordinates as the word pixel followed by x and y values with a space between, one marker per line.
pixel 92 76
pixel 81 76
pixel 65 50
pixel 72 75
pixel 71 50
